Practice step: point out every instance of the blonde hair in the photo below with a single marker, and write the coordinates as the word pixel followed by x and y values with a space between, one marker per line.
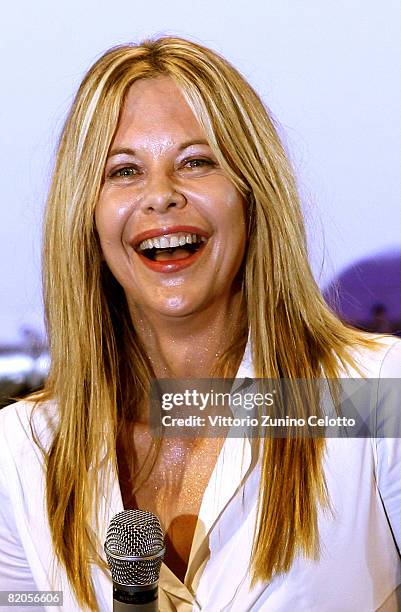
pixel 96 357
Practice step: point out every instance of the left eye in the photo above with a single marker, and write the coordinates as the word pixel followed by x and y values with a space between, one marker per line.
pixel 198 163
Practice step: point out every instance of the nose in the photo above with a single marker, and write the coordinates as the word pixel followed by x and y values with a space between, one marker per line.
pixel 161 195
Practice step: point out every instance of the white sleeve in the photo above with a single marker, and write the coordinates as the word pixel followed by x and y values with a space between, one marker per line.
pixel 15 573
pixel 27 559
pixel 389 482
pixel 388 448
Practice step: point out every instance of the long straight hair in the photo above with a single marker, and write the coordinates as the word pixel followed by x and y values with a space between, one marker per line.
pixel 99 371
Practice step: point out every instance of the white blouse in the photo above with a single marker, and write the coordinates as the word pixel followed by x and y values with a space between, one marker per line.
pixel 359 568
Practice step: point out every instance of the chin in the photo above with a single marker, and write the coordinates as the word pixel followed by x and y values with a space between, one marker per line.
pixel 177 307
pixel 176 312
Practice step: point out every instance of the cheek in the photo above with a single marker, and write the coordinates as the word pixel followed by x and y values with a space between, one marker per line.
pixel 233 220
pixel 110 219
pixel 237 229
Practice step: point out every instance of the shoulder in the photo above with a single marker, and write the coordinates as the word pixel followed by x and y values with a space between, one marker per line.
pixel 380 358
pixel 19 418
pixel 25 427
pixel 383 364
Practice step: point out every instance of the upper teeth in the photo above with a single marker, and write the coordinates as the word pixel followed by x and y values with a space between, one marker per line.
pixel 170 241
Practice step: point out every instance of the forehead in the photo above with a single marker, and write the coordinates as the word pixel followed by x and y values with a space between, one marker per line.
pixel 156 107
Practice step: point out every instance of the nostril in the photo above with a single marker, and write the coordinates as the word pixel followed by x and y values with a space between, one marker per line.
pixel 159 201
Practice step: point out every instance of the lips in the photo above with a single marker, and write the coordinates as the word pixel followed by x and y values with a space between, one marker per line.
pixel 173 265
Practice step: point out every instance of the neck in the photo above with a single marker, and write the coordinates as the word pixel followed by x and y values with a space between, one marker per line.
pixel 187 347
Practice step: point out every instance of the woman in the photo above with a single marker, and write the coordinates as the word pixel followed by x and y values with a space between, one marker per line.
pixel 173 235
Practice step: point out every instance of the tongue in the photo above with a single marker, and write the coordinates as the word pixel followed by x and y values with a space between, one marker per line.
pixel 178 253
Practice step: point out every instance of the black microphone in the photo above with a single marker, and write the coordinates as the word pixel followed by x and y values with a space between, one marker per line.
pixel 134 549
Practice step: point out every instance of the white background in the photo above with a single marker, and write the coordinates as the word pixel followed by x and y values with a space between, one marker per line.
pixel 328 70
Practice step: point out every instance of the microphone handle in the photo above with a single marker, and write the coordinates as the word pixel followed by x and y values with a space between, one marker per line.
pixel 120 606
pixel 135 599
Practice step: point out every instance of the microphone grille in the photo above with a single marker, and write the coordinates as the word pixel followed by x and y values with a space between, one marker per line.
pixel 134 548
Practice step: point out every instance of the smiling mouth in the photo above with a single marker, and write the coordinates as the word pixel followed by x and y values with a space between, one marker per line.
pixel 174 247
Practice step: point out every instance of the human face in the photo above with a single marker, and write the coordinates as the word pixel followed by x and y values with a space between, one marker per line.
pixel 162 181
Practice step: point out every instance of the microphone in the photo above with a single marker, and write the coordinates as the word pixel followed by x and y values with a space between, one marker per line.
pixel 134 549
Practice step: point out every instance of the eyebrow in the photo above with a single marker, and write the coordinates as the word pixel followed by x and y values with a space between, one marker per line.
pixel 184 145
pixel 121 151
pixel 187 144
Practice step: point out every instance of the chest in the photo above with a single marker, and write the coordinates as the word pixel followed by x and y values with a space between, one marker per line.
pixel 171 484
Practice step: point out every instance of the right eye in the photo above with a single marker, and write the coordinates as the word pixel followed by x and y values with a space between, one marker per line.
pixel 125 172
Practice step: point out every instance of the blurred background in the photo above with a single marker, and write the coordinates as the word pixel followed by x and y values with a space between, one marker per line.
pixel 329 73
